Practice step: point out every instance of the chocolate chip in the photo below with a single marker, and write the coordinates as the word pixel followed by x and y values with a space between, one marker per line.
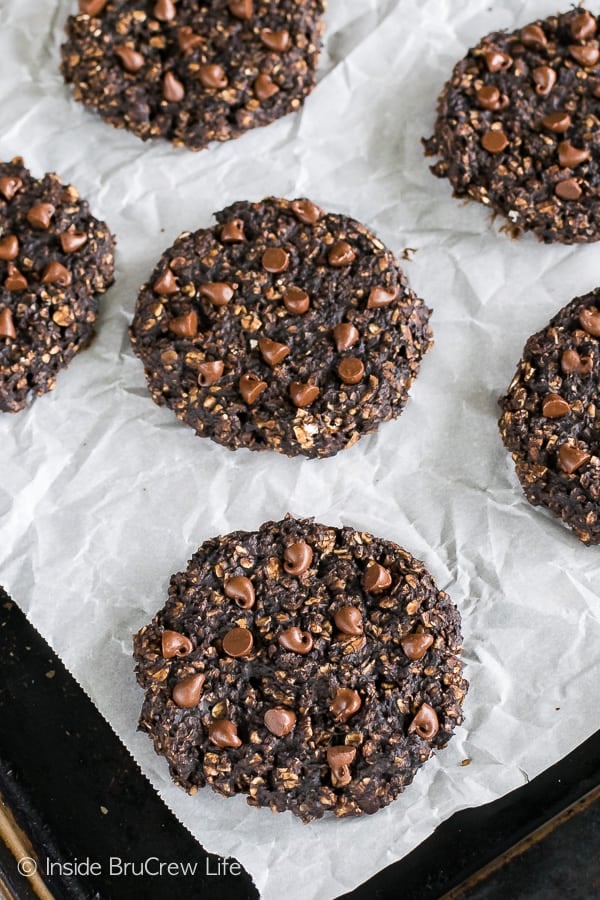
pixel 275 260
pixel 130 59
pixel 306 212
pixel 70 241
pixel 568 189
pixel 297 558
pixel 345 704
pixel 172 89
pixel 339 759
pixel 380 296
pixel 345 336
pixel 164 10
pixel 583 26
pixel 589 320
pixel 233 231
pixel 210 372
pixel 303 394
pixel 349 620
pixel 557 122
pixel 554 407
pixel 272 352
pixel 425 723
pixel 187 692
pixel 213 76
pixel 296 301
pixel 494 141
pixel 9 247
pixel 570 156
pixel 56 273
pixel 533 36
pixel 7 326
pixel 238 642
pixel 251 387
pixel 586 55
pixel 92 7
pixel 217 292
pixel 489 97
pixel 166 283
pixel 351 370
pixel 280 721
pixel 571 458
pixel 185 326
pixel 496 61
pixel 341 254
pixel 9 186
pixel 265 87
pixel 187 40
pixel 240 589
pixel 376 578
pixel 296 641
pixel 416 645
pixel 572 363
pixel 545 79
pixel 241 9
pixel 223 733
pixel 14 280
pixel 40 216
pixel 278 41
pixel 175 644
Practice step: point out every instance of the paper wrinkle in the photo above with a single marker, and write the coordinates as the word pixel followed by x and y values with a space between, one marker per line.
pixel 104 494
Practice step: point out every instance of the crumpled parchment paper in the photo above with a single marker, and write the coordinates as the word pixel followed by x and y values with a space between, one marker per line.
pixel 103 495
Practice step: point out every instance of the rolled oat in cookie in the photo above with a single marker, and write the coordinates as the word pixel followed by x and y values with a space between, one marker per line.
pixel 314 669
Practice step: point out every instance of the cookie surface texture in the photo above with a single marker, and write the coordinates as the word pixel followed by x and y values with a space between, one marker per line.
pixel 312 668
pixel 282 327
pixel 55 259
pixel 192 72
pixel 516 127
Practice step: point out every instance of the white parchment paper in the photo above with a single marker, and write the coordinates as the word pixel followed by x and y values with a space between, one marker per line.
pixel 103 495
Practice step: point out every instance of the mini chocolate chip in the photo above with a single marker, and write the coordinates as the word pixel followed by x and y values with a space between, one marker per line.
pixel 9 186
pixel 306 212
pixel 265 87
pixel 583 25
pixel 233 231
pixel 570 156
pixel 345 336
pixel 217 292
pixel 557 122
pixel 165 283
pixel 416 645
pixel 425 723
pixel 238 642
pixel 296 641
pixel 376 578
pixel 380 296
pixel 545 79
pixel 70 241
pixel 187 40
pixel 351 370
pixel 9 247
pixel 240 589
pixel 280 721
pixel 589 320
pixel 339 759
pixel 187 692
pixel 341 254
pixel 488 97
pixel 554 407
pixel 303 394
pixel 40 215
pixel 496 61
pixel 296 301
pixel 175 644
pixel 223 733
pixel 185 326
pixel 571 458
pixel 130 59
pixel 164 10
pixel 14 280
pixel 7 326
pixel 586 54
pixel 494 141
pixel 212 75
pixel 349 620
pixel 210 372
pixel 346 703
pixel 56 273
pixel 278 41
pixel 275 259
pixel 92 7
pixel 573 364
pixel 251 387
pixel 533 36
pixel 272 352
pixel 241 9
pixel 172 89
pixel 568 189
pixel 297 558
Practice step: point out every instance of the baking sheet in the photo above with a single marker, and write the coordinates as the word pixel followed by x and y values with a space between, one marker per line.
pixel 103 495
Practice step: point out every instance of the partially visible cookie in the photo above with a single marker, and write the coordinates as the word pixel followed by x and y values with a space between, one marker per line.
pixel 517 127
pixel 283 327
pixel 193 72
pixel 312 668
pixel 55 259
pixel 550 421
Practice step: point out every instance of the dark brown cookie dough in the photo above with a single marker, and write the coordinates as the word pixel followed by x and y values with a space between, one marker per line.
pixel 193 72
pixel 282 327
pixel 550 422
pixel 311 668
pixel 517 127
pixel 55 258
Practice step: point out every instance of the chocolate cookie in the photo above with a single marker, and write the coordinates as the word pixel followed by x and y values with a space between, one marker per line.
pixel 193 72
pixel 550 419
pixel 55 258
pixel 282 327
pixel 517 127
pixel 311 668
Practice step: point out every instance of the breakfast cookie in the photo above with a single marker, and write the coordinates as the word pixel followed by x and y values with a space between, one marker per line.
pixel 517 127
pixel 55 258
pixel 311 668
pixel 282 327
pixel 549 420
pixel 192 72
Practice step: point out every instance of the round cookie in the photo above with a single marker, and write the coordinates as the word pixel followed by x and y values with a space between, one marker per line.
pixel 282 327
pixel 516 127
pixel 192 72
pixel 312 668
pixel 55 258
pixel 550 417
